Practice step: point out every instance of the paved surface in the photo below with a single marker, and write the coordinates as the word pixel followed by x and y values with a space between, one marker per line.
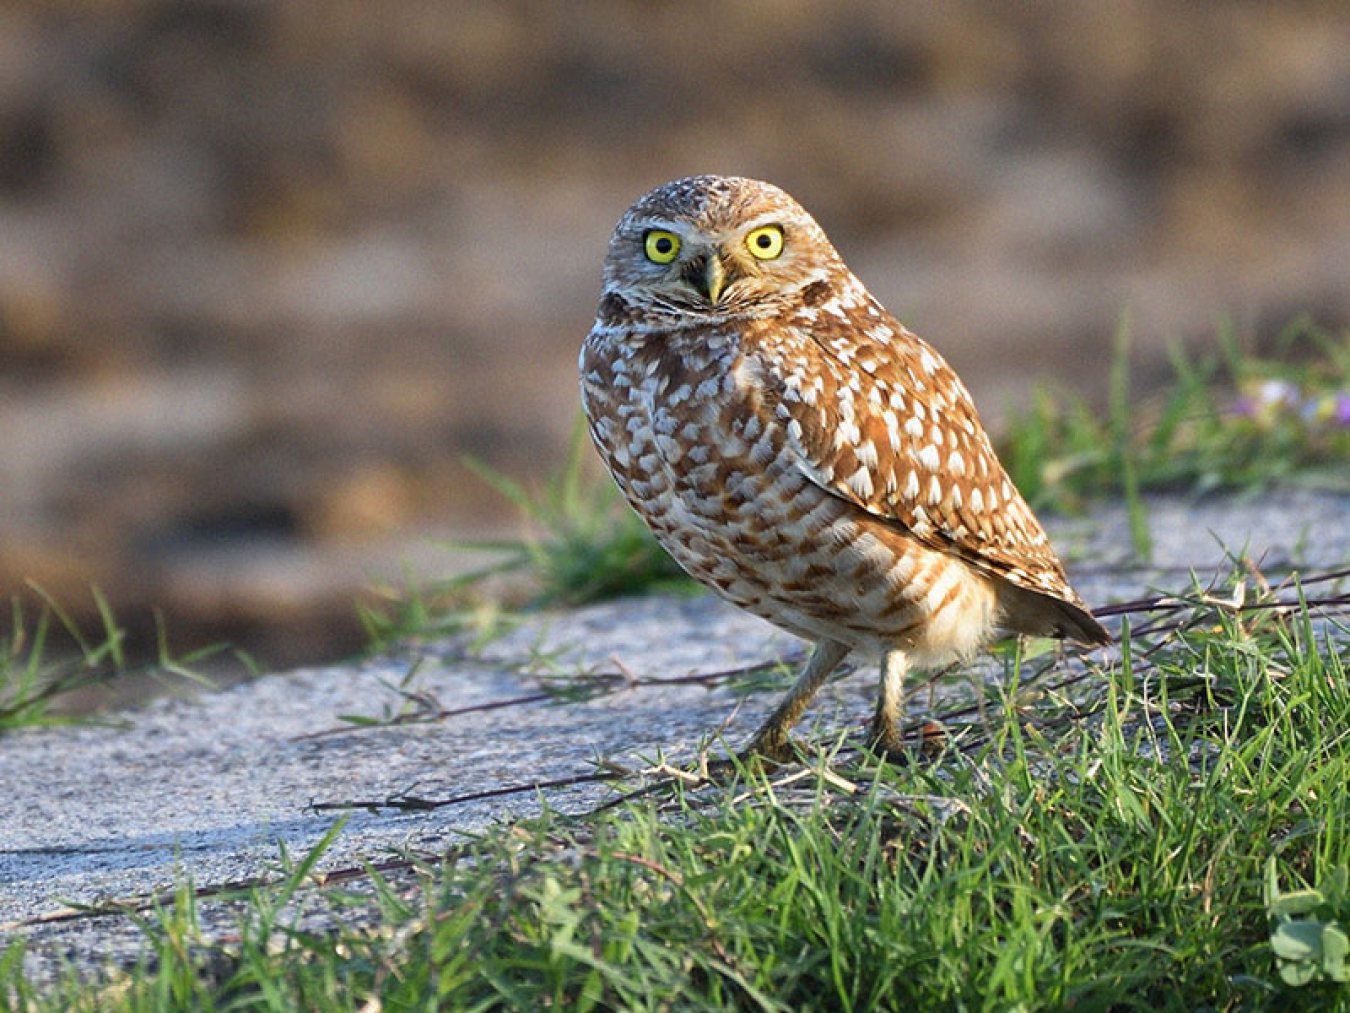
pixel 211 788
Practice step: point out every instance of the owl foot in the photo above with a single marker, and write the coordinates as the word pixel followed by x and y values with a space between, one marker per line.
pixel 771 746
pixel 928 742
pixel 887 746
pixel 884 739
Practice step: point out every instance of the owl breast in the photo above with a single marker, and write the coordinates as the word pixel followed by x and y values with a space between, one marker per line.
pixel 686 428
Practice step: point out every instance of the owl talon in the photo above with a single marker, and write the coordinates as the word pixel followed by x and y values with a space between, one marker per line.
pixel 772 746
pixel 888 744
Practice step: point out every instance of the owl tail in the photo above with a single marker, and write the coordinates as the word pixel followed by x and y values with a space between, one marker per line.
pixel 1043 615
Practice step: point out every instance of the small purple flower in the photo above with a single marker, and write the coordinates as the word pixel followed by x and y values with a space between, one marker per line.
pixel 1341 413
pixel 1243 407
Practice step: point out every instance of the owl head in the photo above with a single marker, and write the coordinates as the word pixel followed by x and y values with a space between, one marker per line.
pixel 712 247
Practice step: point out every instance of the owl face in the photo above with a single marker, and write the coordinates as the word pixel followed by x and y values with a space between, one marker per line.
pixel 716 247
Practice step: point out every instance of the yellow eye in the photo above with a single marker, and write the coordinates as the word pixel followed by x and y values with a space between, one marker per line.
pixel 765 242
pixel 661 246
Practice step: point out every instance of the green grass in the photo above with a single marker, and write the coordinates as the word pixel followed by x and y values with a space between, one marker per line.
pixel 29 683
pixel 1225 420
pixel 45 656
pixel 1145 838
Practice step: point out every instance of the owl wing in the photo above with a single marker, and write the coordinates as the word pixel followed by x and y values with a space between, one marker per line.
pixel 876 417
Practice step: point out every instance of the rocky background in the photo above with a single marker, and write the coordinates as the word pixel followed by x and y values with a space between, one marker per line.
pixel 269 270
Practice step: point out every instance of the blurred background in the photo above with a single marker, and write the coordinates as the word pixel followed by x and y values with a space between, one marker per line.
pixel 269 270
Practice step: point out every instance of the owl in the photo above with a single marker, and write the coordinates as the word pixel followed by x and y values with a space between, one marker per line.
pixel 802 453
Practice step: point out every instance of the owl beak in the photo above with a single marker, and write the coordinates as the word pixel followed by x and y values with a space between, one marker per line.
pixel 714 278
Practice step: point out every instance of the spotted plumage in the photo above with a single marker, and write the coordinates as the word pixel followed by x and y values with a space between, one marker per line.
pixel 797 449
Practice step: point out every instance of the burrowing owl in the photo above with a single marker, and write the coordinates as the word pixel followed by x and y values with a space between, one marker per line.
pixel 799 451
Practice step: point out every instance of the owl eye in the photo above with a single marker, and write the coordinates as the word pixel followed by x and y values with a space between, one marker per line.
pixel 765 242
pixel 660 246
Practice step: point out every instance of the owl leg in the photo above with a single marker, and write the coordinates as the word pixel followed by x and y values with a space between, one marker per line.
pixel 885 732
pixel 772 739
